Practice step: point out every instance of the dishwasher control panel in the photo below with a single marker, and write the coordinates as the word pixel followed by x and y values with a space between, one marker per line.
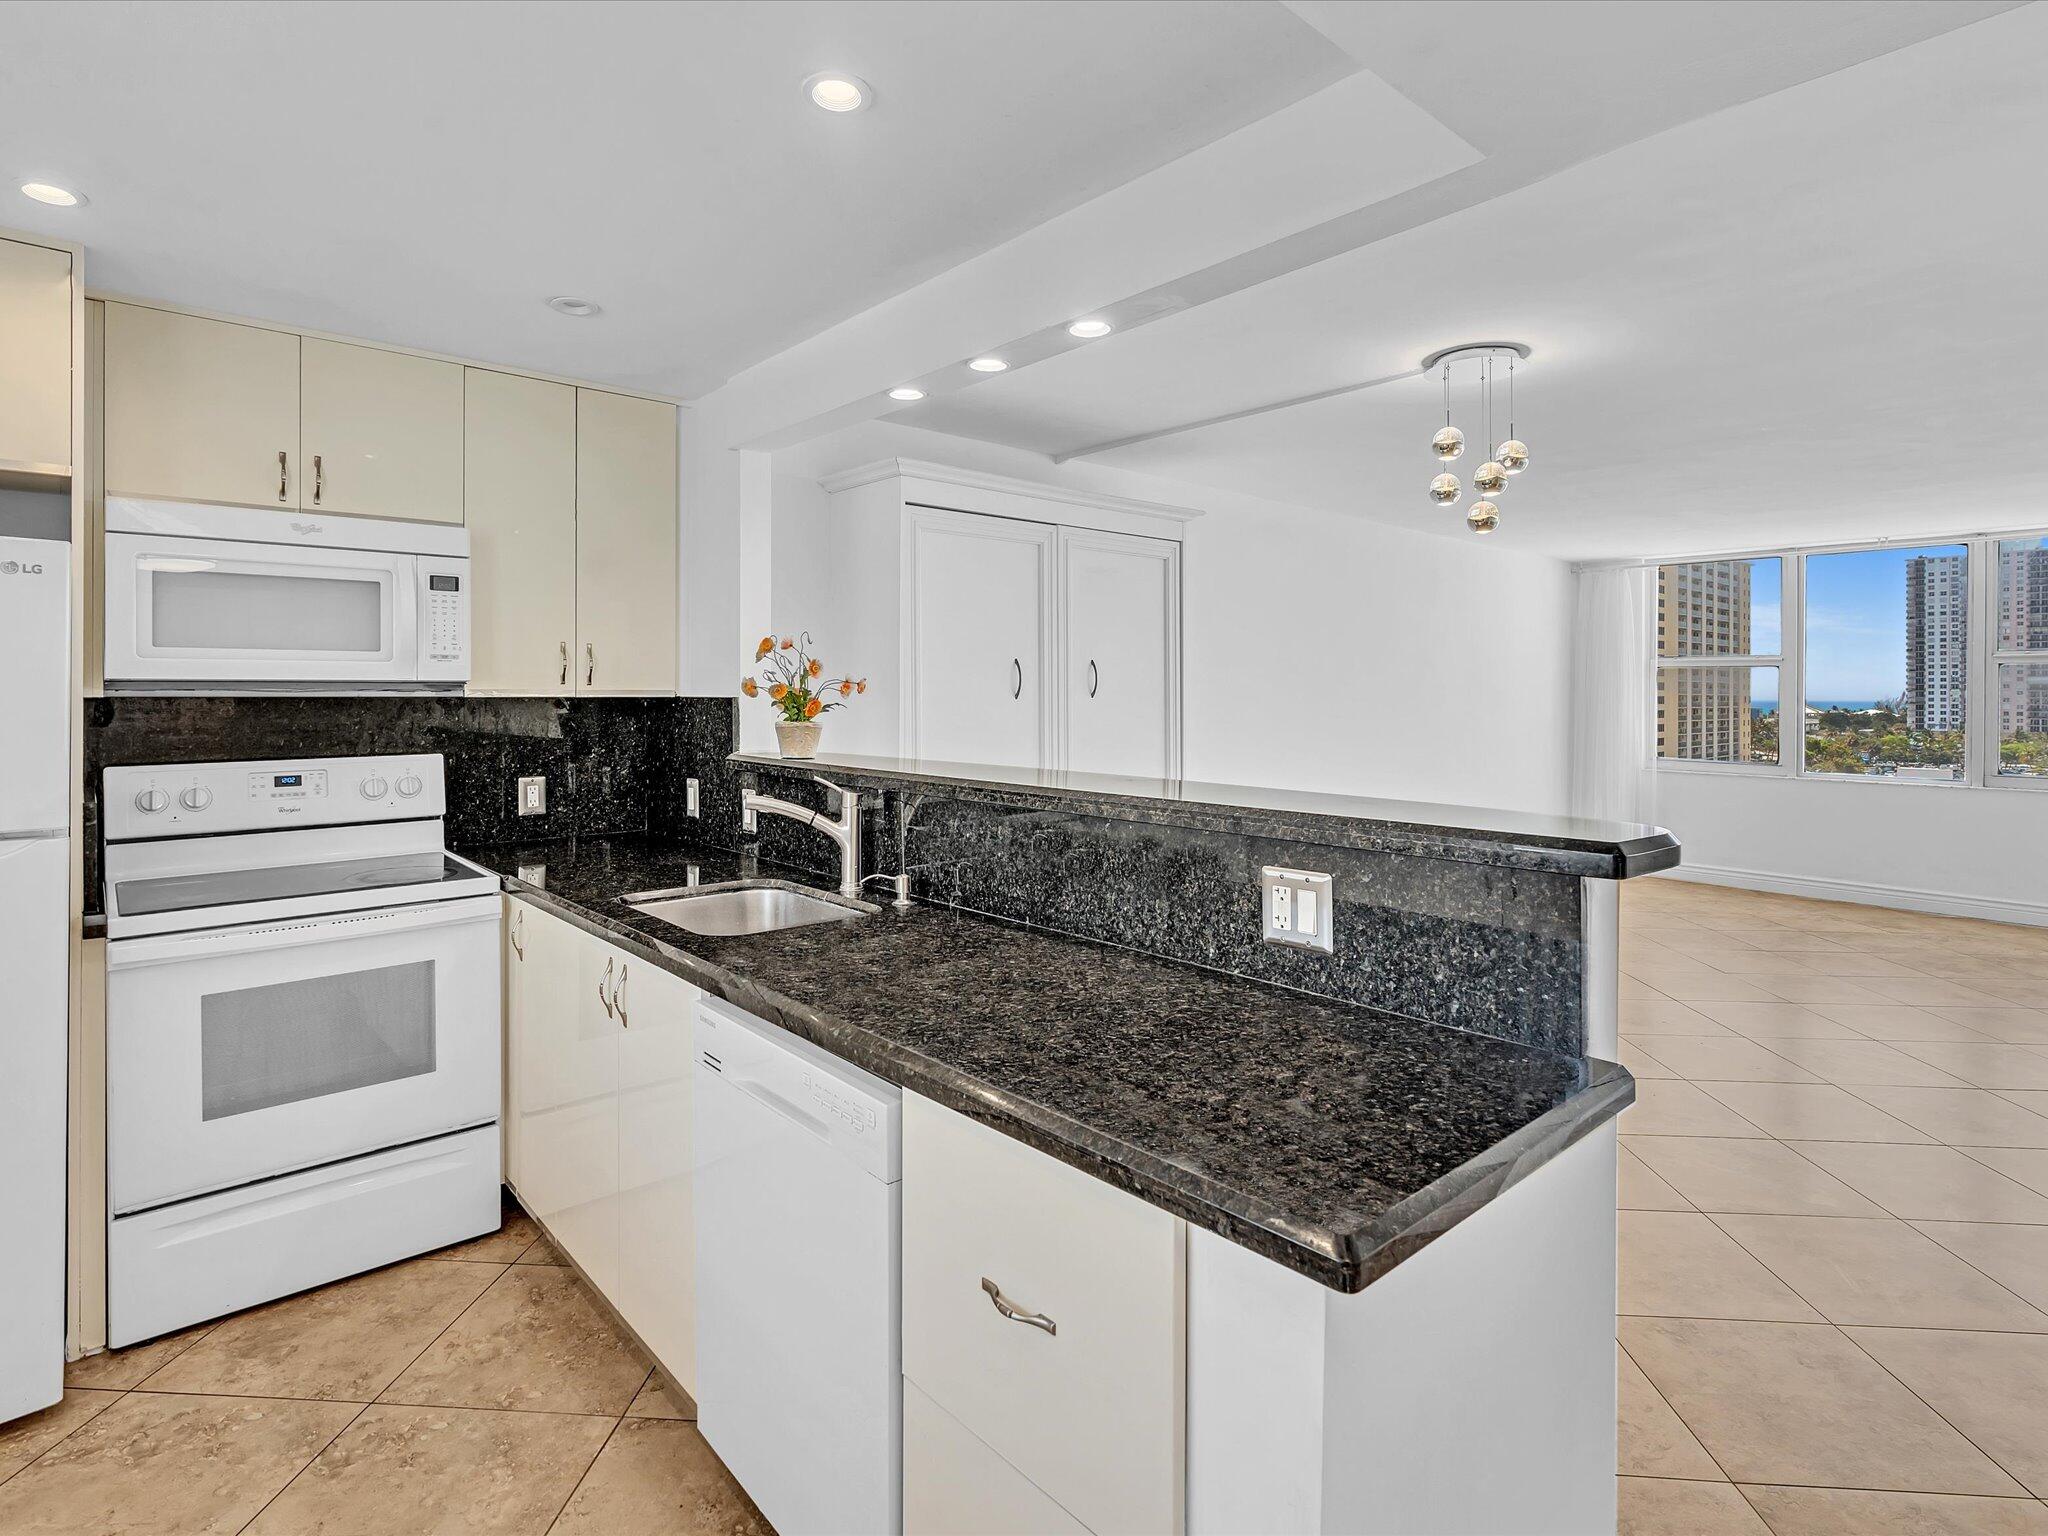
pixel 851 1109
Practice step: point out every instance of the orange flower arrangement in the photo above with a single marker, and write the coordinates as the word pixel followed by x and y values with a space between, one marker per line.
pixel 794 680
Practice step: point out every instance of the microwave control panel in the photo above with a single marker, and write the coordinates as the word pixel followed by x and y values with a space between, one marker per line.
pixel 444 620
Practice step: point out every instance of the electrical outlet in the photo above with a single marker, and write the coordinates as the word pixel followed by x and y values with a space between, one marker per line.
pixel 1298 908
pixel 690 806
pixel 533 797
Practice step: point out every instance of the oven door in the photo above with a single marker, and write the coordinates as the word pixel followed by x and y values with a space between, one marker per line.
pixel 241 1053
pixel 188 610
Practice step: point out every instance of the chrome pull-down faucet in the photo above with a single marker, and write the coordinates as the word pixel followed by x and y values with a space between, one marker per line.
pixel 845 831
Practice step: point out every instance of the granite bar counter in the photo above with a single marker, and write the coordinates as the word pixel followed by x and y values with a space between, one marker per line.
pixel 1335 1139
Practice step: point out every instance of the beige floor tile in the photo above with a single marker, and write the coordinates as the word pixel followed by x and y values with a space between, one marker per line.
pixel 1858 963
pixel 1930 991
pixel 1722 1173
pixel 1654 1442
pixel 536 1340
pixel 1732 1059
pixel 1679 1264
pixel 1639 1061
pixel 1991 1386
pixel 450 1471
pixel 1661 1506
pixel 500 1247
pixel 1638 1189
pixel 1707 986
pixel 657 1400
pixel 1961 1117
pixel 23 1440
pixel 1800 1403
pixel 1680 1109
pixel 1987 1066
pixel 1786 940
pixel 542 1252
pixel 195 1466
pixel 1880 1272
pixel 2034 1099
pixel 1898 1022
pixel 347 1341
pixel 2028 993
pixel 122 1368
pixel 1928 1183
pixel 1861 1512
pixel 2026 1165
pixel 1853 1063
pixel 1761 965
pixel 1810 1112
pixel 2015 1256
pixel 1777 1020
pixel 1656 1016
pixel 1819 989
pixel 656 1477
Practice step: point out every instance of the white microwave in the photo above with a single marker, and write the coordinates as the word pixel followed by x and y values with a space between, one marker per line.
pixel 228 598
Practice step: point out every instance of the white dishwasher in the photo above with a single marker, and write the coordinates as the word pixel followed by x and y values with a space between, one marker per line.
pixel 798 1161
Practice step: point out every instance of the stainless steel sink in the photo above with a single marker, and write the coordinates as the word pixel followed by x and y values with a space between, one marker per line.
pixel 752 906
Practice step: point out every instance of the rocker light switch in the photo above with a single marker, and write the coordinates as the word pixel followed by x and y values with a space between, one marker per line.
pixel 1298 909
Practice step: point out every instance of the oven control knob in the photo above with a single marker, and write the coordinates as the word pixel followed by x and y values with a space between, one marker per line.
pixel 375 788
pixel 410 785
pixel 197 798
pixel 150 801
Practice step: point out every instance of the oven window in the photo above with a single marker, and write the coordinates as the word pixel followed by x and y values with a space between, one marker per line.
pixel 250 611
pixel 293 1040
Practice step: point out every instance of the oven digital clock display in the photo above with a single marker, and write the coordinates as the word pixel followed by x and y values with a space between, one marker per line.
pixel 288 781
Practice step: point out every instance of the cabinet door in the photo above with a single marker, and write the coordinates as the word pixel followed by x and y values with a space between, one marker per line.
pixel 381 431
pixel 981 604
pixel 657 1245
pixel 35 359
pixel 541 1005
pixel 201 410
pixel 519 496
pixel 1120 653
pixel 954 1485
pixel 626 575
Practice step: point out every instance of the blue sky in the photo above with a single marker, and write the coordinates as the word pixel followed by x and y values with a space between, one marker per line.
pixel 1856 622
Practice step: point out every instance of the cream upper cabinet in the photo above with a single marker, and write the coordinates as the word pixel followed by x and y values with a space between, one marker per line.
pixel 1120 653
pixel 626 576
pixel 381 433
pixel 200 410
pixel 519 496
pixel 35 359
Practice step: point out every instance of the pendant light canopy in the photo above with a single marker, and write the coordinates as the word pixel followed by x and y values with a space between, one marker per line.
pixel 1486 363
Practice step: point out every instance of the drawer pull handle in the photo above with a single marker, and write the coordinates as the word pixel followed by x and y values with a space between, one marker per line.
pixel 1014 1313
pixel 601 997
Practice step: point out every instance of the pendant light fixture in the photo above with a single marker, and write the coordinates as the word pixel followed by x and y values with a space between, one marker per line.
pixel 1509 457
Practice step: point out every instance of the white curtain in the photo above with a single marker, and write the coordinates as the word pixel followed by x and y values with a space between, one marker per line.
pixel 1614 680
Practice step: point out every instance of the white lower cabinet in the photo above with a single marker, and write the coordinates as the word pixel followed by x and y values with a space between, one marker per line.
pixel 1044 1312
pixel 598 1149
pixel 955 1485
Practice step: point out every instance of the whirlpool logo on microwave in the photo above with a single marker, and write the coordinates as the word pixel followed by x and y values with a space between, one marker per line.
pixel 16 568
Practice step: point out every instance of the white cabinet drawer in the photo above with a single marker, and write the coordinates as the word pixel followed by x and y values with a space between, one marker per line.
pixel 1093 1412
pixel 954 1485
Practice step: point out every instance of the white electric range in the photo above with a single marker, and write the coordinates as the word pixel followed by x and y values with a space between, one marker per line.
pixel 303 1037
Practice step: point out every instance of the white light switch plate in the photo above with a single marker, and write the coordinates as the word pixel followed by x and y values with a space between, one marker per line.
pixel 1297 907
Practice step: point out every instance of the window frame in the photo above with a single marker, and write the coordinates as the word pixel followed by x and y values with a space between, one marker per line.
pixel 1982 659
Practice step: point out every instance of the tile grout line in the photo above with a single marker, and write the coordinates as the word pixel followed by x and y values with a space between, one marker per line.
pixel 325 1446
pixel 584 1476
pixel 119 1393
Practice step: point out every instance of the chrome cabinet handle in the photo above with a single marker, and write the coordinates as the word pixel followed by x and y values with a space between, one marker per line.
pixel 283 472
pixel 600 989
pixel 319 479
pixel 589 664
pixel 518 927
pixel 565 663
pixel 1093 678
pixel 619 999
pixel 1017 688
pixel 1014 1313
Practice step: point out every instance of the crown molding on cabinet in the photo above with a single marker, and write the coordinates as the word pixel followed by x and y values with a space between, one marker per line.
pixel 1003 485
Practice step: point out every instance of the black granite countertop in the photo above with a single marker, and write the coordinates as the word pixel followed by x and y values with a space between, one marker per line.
pixel 1572 845
pixel 1328 1137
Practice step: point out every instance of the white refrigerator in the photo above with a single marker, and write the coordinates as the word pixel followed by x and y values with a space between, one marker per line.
pixel 35 937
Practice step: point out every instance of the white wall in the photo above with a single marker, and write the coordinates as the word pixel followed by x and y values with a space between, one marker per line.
pixel 1322 652
pixel 1932 847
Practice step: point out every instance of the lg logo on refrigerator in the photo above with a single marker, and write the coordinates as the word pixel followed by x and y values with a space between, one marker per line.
pixel 16 568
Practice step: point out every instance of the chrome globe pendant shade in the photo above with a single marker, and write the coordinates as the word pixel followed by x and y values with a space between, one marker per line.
pixel 1503 457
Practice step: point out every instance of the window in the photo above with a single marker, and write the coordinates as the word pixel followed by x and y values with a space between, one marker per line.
pixel 1888 662
pixel 2020 660
pixel 1719 642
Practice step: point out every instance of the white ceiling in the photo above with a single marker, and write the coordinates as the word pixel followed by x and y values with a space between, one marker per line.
pixel 1815 316
pixel 429 174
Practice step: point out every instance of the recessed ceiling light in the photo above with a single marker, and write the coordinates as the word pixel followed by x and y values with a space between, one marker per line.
pixel 564 304
pixel 988 365
pixel 837 92
pixel 906 393
pixel 1088 330
pixel 56 197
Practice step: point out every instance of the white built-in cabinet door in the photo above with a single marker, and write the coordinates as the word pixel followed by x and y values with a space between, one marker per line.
pixel 979 644
pixel 1120 653
pixel 626 573
pixel 381 432
pixel 201 410
pixel 657 1242
pixel 519 495
pixel 35 358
